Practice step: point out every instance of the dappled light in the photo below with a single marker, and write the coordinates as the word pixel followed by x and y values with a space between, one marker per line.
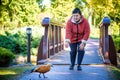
pixel 7 72
pixel 47 20
pixel 89 53
pixel 61 73
pixel 57 60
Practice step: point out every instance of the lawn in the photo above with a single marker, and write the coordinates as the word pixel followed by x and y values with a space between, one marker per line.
pixel 13 73
pixel 116 72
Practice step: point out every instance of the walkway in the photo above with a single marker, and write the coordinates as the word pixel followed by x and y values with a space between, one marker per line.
pixel 92 66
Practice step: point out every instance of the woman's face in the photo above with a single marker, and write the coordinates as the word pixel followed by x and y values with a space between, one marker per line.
pixel 76 17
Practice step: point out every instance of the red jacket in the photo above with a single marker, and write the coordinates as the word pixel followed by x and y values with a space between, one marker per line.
pixel 83 30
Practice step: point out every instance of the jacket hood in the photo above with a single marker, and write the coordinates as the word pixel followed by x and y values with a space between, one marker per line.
pixel 73 21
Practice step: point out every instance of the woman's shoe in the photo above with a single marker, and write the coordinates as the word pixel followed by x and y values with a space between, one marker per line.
pixel 79 68
pixel 71 68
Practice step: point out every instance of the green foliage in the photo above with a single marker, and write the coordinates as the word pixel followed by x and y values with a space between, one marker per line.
pixel 18 13
pixel 16 40
pixel 19 39
pixel 115 11
pixel 114 30
pixel 6 57
pixel 117 42
pixel 7 42
pixel 60 9
pixel 95 32
pixel 104 8
pixel 116 72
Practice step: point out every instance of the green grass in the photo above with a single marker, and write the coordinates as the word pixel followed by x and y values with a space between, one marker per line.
pixel 12 73
pixel 116 72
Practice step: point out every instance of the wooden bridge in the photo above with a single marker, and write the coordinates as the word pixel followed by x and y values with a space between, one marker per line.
pixel 53 41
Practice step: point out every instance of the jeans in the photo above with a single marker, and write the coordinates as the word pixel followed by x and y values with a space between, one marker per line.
pixel 75 50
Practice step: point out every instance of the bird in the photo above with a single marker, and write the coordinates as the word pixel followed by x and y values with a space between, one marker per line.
pixel 42 69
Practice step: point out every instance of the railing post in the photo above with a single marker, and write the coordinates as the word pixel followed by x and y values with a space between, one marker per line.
pixel 104 39
pixel 45 23
pixel 43 47
pixel 49 44
pixel 106 23
pixel 107 48
pixel 53 38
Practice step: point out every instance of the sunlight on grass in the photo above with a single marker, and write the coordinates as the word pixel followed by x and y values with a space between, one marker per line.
pixel 116 72
pixel 11 73
pixel 4 72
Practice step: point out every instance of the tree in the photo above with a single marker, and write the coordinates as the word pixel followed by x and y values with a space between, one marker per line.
pixel 104 8
pixel 60 9
pixel 18 13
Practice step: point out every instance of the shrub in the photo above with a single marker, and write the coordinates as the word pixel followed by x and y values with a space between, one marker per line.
pixel 117 42
pixel 16 40
pixel 9 43
pixel 6 57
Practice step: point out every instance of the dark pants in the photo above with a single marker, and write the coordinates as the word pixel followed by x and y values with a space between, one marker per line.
pixel 76 51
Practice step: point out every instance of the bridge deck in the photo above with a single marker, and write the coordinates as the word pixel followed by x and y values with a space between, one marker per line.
pixel 92 66
pixel 91 54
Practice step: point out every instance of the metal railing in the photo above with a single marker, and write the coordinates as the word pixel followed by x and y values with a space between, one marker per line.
pixel 107 47
pixel 53 40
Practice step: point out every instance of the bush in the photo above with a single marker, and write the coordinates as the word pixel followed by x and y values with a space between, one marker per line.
pixel 16 40
pixel 6 57
pixel 117 42
pixel 9 43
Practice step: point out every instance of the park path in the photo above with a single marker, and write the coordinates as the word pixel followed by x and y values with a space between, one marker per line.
pixel 92 66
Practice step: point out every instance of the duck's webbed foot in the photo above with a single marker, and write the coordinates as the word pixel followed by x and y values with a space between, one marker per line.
pixel 44 75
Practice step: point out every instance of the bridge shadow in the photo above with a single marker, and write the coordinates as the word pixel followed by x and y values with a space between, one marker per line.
pixel 91 55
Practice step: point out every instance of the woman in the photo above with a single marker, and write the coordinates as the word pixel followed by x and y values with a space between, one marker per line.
pixel 77 33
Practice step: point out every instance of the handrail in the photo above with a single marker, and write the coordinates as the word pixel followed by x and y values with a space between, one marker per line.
pixel 53 40
pixel 107 48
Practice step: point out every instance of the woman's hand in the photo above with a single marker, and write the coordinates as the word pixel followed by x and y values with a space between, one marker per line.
pixel 66 44
pixel 82 45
